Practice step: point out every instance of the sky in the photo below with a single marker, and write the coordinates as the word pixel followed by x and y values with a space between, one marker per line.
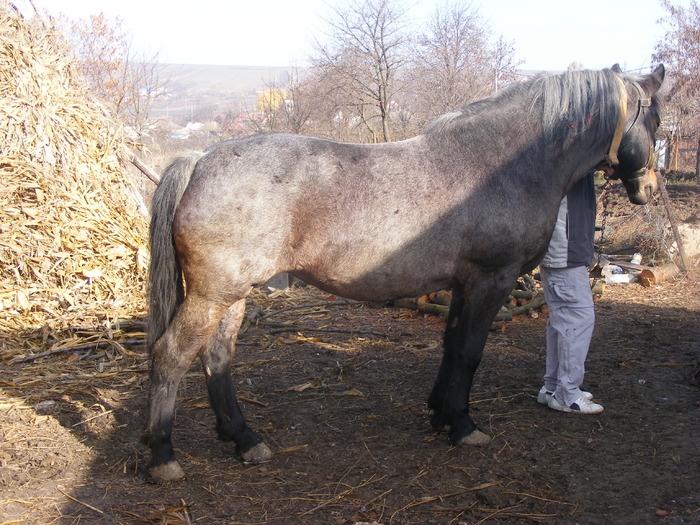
pixel 548 35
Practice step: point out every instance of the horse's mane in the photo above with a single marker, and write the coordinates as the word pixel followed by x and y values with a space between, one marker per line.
pixel 572 101
pixel 568 104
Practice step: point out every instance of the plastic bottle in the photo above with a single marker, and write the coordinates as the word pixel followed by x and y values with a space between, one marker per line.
pixel 614 278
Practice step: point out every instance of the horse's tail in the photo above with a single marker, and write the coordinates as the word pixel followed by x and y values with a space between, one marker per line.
pixel 166 290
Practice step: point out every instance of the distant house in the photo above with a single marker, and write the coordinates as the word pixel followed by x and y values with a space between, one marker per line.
pixel 187 131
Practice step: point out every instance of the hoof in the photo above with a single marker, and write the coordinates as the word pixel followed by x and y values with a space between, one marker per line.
pixel 166 472
pixel 260 453
pixel 476 439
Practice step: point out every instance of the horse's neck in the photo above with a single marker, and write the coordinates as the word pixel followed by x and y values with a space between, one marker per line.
pixel 516 136
pixel 578 159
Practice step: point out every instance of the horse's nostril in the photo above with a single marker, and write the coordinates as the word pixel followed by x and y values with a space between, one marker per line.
pixel 650 189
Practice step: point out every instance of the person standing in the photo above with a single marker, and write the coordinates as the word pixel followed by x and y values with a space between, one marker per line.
pixel 567 290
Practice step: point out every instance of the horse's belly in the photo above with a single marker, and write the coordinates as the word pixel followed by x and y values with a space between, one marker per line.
pixel 363 273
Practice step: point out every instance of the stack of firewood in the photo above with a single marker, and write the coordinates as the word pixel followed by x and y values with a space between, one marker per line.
pixel 526 298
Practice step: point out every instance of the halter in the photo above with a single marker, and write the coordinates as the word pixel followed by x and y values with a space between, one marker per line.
pixel 610 160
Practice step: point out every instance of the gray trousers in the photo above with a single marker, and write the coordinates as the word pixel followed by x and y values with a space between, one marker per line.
pixel 569 329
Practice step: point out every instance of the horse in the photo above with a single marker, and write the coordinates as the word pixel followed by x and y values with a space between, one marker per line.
pixel 467 205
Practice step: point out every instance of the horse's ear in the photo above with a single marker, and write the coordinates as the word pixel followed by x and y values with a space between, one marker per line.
pixel 652 82
pixel 616 68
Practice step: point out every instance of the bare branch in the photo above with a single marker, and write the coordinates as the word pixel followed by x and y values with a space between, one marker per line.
pixel 364 50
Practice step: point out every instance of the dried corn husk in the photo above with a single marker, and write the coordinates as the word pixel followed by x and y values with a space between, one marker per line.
pixel 73 247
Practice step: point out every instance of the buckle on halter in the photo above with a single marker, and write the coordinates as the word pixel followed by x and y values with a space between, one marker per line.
pixel 607 167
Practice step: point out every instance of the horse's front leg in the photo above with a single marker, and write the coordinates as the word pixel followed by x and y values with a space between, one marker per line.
pixel 468 323
pixel 436 400
pixel 216 359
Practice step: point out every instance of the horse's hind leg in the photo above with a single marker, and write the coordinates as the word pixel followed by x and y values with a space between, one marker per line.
pixel 171 357
pixel 216 359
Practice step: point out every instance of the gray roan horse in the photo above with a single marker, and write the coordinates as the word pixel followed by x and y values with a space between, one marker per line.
pixel 468 205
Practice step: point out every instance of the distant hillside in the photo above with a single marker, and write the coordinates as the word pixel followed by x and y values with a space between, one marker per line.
pixel 224 79
pixel 198 92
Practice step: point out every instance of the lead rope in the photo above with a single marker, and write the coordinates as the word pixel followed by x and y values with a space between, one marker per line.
pixel 604 198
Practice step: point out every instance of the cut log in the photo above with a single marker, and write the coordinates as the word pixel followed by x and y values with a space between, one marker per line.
pixel 423 306
pixel 522 294
pixel 504 316
pixel 537 302
pixel 437 304
pixel 443 297
pixel 658 274
pixel 438 310
pixel 598 288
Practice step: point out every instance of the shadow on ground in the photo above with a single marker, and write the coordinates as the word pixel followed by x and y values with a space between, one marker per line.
pixel 345 413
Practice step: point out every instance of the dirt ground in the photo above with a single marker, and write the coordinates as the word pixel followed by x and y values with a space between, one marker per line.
pixel 338 391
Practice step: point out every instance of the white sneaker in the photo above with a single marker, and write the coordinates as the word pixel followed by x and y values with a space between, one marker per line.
pixel 580 406
pixel 543 395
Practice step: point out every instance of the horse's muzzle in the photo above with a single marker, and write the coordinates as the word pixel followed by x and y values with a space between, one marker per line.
pixel 640 186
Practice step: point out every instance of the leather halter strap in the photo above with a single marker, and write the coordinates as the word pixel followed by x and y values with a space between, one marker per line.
pixel 643 102
pixel 611 158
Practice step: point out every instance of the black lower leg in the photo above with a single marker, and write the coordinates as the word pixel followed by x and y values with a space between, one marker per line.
pixel 230 422
pixel 161 446
pixel 465 337
pixel 216 358
pixel 161 415
pixel 436 401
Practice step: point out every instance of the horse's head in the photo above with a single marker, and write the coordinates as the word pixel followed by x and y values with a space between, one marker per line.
pixel 632 156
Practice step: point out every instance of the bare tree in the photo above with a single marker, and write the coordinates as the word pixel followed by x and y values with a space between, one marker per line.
pixel 285 109
pixel 328 108
pixel 144 82
pixel 504 64
pixel 102 52
pixel 457 62
pixel 452 60
pixel 297 107
pixel 680 51
pixel 361 55
pixel 266 116
pixel 125 83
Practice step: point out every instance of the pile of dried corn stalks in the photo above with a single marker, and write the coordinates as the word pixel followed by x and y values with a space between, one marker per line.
pixel 73 247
